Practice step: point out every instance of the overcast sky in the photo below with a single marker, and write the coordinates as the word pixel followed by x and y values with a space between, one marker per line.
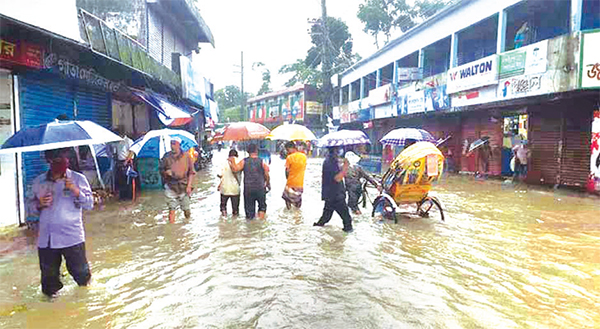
pixel 270 31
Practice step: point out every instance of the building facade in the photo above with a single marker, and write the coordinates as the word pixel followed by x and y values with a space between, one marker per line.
pixel 506 70
pixel 97 74
pixel 297 104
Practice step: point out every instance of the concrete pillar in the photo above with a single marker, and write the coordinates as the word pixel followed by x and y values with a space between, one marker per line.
pixel 453 50
pixel 362 88
pixel 501 35
pixel 378 78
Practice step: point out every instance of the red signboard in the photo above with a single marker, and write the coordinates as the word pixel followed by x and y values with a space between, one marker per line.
pixel 21 53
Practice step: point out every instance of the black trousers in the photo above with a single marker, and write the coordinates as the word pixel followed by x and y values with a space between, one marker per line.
pixel 235 203
pixel 77 265
pixel 354 193
pixel 341 208
pixel 251 197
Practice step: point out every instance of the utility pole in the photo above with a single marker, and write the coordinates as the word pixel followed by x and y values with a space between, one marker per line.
pixel 326 61
pixel 243 104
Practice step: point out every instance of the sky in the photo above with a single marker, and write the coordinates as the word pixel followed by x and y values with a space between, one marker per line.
pixel 274 32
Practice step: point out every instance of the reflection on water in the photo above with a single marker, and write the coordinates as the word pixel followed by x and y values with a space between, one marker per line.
pixel 506 257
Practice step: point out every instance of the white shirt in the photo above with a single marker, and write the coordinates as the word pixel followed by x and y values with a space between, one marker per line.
pixel 229 184
pixel 521 153
pixel 123 148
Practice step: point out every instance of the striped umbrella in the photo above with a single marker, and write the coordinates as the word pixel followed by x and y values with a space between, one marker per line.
pixel 155 143
pixel 399 136
pixel 343 138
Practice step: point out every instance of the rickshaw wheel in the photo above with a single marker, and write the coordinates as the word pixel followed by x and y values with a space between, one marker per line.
pixel 430 207
pixel 383 208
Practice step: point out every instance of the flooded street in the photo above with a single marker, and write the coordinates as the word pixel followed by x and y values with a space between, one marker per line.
pixel 506 257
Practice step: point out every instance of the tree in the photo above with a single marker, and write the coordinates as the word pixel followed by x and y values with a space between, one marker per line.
pixel 229 96
pixel 266 78
pixel 303 74
pixel 377 17
pixel 381 16
pixel 337 44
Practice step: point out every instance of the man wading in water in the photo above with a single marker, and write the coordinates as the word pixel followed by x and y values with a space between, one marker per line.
pixel 177 171
pixel 256 182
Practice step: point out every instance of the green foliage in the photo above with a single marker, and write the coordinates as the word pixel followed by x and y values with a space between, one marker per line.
pixel 229 96
pixel 382 16
pixel 336 44
pixel 231 114
pixel 266 78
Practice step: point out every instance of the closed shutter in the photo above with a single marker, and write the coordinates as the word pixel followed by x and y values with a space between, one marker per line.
pixel 94 105
pixel 575 167
pixel 492 127
pixel 469 133
pixel 544 140
pixel 43 97
pixel 42 100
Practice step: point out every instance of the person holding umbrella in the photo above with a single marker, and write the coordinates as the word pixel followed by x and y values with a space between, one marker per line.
pixel 58 197
pixel 177 171
pixel 333 191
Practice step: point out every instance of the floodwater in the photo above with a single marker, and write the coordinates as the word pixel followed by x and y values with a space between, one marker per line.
pixel 506 257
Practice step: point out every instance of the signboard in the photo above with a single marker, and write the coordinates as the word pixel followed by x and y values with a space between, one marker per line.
pixel 385 111
pixel 527 60
pixel 410 100
pixel 476 96
pixel 336 113
pixel 21 53
pixel 409 73
pixel 192 82
pixel 86 75
pixel 479 73
pixel 313 107
pixel 590 65
pixel 379 95
pixel 436 99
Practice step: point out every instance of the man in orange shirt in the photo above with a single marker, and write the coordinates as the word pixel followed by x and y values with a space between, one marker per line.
pixel 295 165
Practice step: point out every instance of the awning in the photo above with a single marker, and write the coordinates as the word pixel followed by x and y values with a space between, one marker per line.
pixel 169 114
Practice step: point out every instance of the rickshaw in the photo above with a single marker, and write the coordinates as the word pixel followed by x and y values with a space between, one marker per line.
pixel 409 180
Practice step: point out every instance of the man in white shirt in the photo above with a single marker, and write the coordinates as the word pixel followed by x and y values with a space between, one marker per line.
pixel 230 186
pixel 124 160
pixel 521 156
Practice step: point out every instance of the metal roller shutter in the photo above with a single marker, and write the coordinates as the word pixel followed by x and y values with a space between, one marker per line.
pixel 544 141
pixel 43 97
pixel 575 166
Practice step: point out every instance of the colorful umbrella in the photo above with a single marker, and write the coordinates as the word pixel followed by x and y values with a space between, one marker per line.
pixel 240 131
pixel 156 143
pixel 399 136
pixel 58 134
pixel 343 138
pixel 292 132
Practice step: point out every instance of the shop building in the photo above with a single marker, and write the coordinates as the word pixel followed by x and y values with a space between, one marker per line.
pixel 297 104
pixel 506 70
pixel 97 74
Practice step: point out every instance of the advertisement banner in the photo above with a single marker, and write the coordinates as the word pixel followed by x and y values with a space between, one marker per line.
pixel 410 73
pixel 344 114
pixel 528 85
pixel 590 65
pixel 336 113
pixel 528 60
pixel 192 82
pixel 379 95
pixel 436 99
pixel 410 101
pixel 384 111
pixel 479 73
pixel 313 107
pixel 472 97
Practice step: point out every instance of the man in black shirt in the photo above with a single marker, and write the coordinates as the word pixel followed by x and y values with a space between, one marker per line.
pixel 333 191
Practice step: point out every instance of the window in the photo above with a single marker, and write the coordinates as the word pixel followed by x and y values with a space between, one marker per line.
pixel 387 74
pixel 477 41
pixel 436 57
pixel 345 94
pixel 535 21
pixel 590 18
pixel 355 90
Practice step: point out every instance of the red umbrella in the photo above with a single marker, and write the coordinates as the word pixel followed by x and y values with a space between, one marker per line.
pixel 240 131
